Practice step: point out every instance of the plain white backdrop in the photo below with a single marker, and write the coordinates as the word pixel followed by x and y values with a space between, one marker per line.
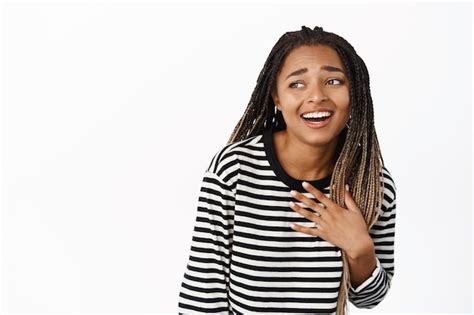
pixel 112 111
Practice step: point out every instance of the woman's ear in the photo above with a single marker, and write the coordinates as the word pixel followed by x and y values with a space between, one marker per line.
pixel 276 101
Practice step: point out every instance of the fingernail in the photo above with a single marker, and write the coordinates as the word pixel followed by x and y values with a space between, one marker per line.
pixel 347 187
pixel 305 184
pixel 293 192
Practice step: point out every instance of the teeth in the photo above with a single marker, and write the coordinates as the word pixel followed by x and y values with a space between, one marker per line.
pixel 317 115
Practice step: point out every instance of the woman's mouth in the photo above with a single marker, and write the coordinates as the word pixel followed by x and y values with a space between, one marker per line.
pixel 317 122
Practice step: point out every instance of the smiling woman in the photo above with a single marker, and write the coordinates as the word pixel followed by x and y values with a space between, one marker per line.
pixel 315 96
pixel 277 229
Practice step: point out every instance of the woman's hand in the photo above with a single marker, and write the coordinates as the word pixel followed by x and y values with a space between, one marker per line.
pixel 344 228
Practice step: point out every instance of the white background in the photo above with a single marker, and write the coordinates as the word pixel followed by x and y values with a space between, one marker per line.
pixel 112 111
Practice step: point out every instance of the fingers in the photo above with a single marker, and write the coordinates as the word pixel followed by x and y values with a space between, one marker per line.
pixel 309 202
pixel 310 215
pixel 348 199
pixel 307 230
pixel 350 203
pixel 317 193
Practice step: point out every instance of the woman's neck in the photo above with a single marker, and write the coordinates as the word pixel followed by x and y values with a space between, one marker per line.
pixel 302 161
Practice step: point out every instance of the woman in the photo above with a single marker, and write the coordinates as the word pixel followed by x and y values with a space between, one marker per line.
pixel 264 240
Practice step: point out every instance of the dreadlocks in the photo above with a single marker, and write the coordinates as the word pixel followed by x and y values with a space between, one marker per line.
pixel 358 160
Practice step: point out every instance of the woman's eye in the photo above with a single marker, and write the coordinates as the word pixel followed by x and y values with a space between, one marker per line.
pixel 341 81
pixel 293 84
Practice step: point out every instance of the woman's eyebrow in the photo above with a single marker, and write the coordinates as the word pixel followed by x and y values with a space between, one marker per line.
pixel 325 67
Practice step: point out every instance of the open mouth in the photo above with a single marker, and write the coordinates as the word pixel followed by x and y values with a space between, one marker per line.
pixel 318 119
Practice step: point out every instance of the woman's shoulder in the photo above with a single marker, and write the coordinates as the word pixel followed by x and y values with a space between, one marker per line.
pixel 225 160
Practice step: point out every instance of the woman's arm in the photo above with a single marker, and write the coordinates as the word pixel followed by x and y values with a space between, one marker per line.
pixel 373 289
pixel 204 286
pixel 363 265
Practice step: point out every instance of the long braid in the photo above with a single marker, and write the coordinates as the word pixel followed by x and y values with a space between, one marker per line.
pixel 359 160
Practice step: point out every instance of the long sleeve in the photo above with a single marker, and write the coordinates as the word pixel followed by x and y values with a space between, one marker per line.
pixel 204 287
pixel 374 289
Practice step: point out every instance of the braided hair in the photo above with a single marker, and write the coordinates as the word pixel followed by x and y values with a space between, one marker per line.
pixel 358 160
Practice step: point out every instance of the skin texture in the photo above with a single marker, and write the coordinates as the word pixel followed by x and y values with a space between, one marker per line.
pixel 307 153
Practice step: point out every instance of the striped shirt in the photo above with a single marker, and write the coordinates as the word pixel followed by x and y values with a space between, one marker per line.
pixel 244 256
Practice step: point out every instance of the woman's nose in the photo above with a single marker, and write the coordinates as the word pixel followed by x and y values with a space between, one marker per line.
pixel 317 94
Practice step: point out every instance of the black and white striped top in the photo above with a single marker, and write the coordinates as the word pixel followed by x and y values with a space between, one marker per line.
pixel 244 256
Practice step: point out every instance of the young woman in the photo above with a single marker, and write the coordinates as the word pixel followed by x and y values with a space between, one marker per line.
pixel 296 213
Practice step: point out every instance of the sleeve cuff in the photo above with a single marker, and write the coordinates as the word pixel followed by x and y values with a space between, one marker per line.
pixel 369 279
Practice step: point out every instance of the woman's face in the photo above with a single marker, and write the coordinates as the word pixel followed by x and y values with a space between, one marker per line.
pixel 310 81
